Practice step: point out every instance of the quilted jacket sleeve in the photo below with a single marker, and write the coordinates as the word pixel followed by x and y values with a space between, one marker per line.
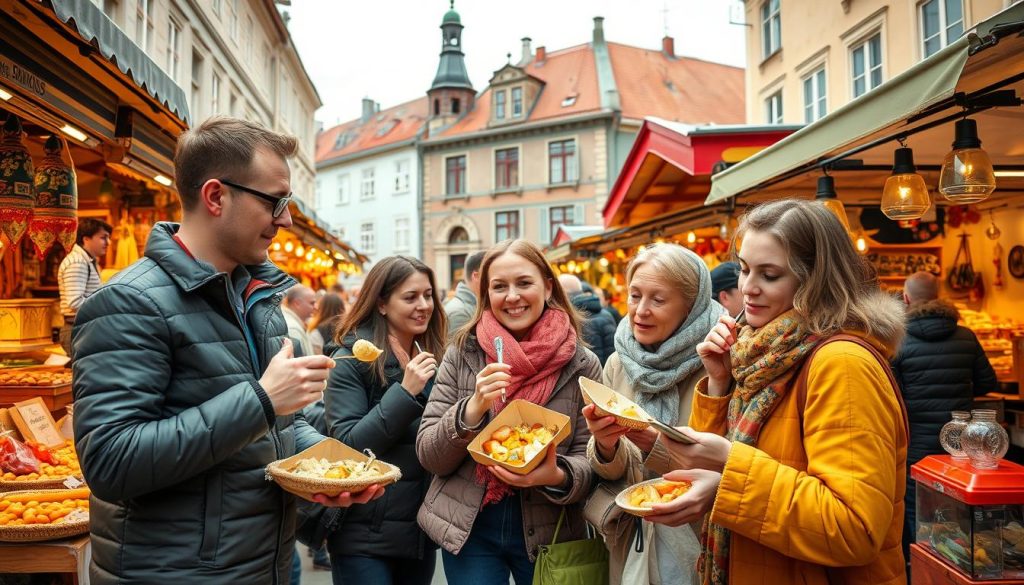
pixel 836 513
pixel 440 447
pixel 127 443
pixel 709 412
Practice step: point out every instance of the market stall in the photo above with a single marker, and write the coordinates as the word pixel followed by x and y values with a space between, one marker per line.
pixel 311 253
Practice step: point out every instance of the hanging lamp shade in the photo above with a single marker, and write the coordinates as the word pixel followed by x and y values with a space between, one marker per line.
pixel 905 196
pixel 55 219
pixel 17 187
pixel 826 194
pixel 967 175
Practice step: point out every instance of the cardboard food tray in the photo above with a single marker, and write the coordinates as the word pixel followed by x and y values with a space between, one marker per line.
pixel 42 532
pixel 331 450
pixel 515 413
pixel 622 499
pixel 598 394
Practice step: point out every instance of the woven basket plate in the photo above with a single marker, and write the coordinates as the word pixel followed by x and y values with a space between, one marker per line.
pixel 331 450
pixel 41 532
pixel 622 499
pixel 600 395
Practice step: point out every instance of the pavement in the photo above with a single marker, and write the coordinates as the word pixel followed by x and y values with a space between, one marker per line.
pixel 311 576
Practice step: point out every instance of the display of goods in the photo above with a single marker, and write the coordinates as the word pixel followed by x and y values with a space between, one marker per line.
pixel 518 445
pixel 33 377
pixel 55 219
pixel 984 440
pixel 949 435
pixel 54 465
pixel 43 507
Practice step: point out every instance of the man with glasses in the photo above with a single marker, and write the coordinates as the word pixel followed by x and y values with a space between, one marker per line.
pixel 185 383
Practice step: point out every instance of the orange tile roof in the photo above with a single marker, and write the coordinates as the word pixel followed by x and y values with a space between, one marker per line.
pixel 389 126
pixel 682 89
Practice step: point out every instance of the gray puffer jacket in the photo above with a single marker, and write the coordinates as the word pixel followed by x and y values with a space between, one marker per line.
pixel 173 429
pixel 454 498
pixel 460 308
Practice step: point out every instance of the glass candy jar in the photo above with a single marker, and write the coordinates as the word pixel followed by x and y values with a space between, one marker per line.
pixel 949 436
pixel 984 440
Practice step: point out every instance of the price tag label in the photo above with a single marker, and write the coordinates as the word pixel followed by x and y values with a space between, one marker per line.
pixel 73 482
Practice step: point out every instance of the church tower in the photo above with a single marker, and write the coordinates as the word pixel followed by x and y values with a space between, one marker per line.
pixel 451 94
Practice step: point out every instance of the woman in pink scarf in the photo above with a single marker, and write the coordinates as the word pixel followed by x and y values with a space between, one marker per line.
pixel 490 521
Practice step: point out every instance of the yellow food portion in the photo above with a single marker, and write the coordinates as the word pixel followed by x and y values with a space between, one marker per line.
pixel 365 351
pixel 647 495
pixel 345 469
pixel 517 445
pixel 629 411
pixel 24 508
pixel 67 464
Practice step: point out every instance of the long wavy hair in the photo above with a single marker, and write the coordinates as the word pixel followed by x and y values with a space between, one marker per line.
pixel 330 307
pixel 532 254
pixel 380 283
pixel 836 284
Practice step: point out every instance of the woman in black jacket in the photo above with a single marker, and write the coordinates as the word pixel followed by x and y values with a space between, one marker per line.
pixel 378 406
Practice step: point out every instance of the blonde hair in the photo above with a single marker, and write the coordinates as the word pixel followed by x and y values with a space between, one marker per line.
pixel 673 265
pixel 836 284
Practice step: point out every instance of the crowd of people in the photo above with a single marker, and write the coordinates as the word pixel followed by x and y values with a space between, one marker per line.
pixel 203 362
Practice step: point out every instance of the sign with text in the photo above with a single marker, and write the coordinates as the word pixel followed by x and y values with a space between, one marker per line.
pixel 18 75
pixel 36 423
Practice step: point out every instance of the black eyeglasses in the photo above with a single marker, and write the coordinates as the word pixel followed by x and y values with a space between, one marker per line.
pixel 279 203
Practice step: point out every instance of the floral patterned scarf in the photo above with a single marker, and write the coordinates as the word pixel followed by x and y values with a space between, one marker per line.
pixel 764 362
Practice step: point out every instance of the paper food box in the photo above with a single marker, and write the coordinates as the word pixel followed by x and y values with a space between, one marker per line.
pixel 514 414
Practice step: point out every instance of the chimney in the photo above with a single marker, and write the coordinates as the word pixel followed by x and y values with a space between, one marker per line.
pixel 668 46
pixel 369 109
pixel 527 52
pixel 542 54
pixel 598 30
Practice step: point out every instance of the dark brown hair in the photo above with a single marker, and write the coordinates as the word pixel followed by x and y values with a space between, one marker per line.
pixel 532 254
pixel 89 227
pixel 329 306
pixel 222 147
pixel 382 280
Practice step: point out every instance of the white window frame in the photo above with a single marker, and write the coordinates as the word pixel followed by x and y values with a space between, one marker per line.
pixel 367 184
pixel 343 190
pixel 144 25
pixel 501 106
pixel 402 182
pixel 773 108
pixel 579 160
pixel 771 28
pixel 865 46
pixel 403 238
pixel 367 239
pixel 215 92
pixel 174 30
pixel 520 226
pixel 819 94
pixel 234 20
pixel 519 170
pixel 943 33
pixel 512 101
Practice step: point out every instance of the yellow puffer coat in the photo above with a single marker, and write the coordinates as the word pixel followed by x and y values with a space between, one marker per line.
pixel 819 500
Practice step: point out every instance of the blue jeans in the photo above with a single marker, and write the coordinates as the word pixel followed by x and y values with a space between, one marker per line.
pixel 495 547
pixel 296 566
pixel 356 570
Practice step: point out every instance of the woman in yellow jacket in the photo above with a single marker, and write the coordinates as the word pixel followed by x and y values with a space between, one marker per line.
pixel 801 440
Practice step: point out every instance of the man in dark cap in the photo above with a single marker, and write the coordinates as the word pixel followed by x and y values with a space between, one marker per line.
pixel 724 287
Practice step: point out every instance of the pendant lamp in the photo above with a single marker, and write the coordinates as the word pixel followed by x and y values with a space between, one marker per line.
pixel 967 175
pixel 905 196
pixel 17 186
pixel 826 194
pixel 56 214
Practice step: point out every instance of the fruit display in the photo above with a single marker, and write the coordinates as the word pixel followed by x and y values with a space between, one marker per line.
pixel 319 468
pixel 519 444
pixel 49 507
pixel 34 377
pixel 647 494
pixel 53 464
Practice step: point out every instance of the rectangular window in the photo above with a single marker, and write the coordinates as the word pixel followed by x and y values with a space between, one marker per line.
pixel 455 175
pixel 815 106
pixel 771 28
pixel 343 190
pixel 506 168
pixel 268 65
pixel 558 216
pixel 402 234
pixel 866 59
pixel 517 102
pixel 144 25
pixel 197 77
pixel 499 105
pixel 215 94
pixel 562 162
pixel 942 22
pixel 366 189
pixel 401 176
pixel 773 108
pixel 367 239
pixel 506 225
pixel 235 9
pixel 173 48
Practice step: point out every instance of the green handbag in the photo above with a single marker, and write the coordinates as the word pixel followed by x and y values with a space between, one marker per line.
pixel 578 562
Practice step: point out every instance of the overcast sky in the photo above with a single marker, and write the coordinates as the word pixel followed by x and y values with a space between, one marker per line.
pixel 387 50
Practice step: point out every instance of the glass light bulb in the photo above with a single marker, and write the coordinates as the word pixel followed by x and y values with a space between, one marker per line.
pixel 837 208
pixel 967 176
pixel 862 244
pixel 691 238
pixel 905 197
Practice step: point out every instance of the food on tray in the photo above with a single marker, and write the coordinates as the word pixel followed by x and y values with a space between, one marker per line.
pixel 519 444
pixel 648 494
pixel 629 411
pixel 365 351
pixel 33 377
pixel 315 468
pixel 56 507
pixel 54 464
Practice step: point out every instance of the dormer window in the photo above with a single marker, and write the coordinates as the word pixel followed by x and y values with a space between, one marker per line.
pixel 517 102
pixel 499 105
pixel 569 100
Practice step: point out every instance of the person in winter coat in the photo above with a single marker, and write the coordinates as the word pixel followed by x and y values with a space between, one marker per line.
pixel 460 308
pixel 940 368
pixel 655 364
pixel 378 406
pixel 185 385
pixel 488 520
pixel 330 310
pixel 801 454
pixel 598 325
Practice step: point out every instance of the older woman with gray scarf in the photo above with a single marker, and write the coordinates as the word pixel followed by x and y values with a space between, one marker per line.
pixel 656 365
